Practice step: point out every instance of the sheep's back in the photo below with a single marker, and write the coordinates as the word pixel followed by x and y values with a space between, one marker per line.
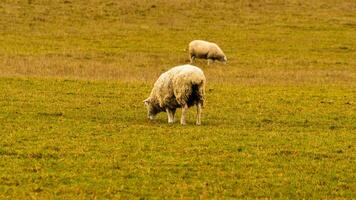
pixel 199 46
pixel 187 83
pixel 174 87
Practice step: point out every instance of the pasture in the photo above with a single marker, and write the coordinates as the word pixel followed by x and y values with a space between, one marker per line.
pixel 279 120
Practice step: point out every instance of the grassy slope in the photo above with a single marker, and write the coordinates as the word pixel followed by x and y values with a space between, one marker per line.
pixel 279 120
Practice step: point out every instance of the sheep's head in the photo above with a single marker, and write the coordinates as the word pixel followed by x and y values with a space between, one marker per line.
pixel 151 109
pixel 224 60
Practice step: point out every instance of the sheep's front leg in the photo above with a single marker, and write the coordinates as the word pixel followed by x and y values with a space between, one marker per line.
pixel 198 114
pixel 170 116
pixel 184 111
pixel 209 60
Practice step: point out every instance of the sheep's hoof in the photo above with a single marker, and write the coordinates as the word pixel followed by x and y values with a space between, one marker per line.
pixel 198 123
pixel 183 123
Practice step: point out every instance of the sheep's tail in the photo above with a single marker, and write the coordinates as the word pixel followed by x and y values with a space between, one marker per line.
pixel 191 92
pixel 199 88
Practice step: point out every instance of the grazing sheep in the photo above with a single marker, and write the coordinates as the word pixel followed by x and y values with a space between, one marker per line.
pixel 180 87
pixel 205 50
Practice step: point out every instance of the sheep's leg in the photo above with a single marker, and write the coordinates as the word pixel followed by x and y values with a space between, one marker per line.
pixel 198 114
pixel 209 60
pixel 170 116
pixel 184 111
pixel 173 113
pixel 192 58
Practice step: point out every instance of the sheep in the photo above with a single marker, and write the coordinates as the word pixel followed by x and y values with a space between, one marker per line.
pixel 180 87
pixel 206 50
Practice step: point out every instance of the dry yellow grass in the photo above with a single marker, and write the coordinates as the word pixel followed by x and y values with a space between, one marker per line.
pixel 267 42
pixel 146 69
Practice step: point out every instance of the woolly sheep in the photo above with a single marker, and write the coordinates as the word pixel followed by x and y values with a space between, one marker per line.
pixel 180 87
pixel 206 50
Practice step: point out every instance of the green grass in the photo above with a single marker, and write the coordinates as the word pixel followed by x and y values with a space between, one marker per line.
pixel 63 138
pixel 279 121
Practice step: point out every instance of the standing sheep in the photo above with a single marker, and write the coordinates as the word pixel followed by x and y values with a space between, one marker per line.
pixel 205 50
pixel 180 87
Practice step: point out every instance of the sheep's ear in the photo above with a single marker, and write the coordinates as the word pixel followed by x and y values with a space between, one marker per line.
pixel 146 101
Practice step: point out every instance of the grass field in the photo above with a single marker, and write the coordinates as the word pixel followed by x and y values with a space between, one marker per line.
pixel 279 121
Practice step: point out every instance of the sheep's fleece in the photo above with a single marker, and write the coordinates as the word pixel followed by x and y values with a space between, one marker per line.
pixel 206 50
pixel 180 87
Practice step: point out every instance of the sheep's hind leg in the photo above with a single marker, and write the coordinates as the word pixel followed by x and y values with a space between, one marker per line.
pixel 173 113
pixel 184 112
pixel 198 114
pixel 170 116
pixel 192 58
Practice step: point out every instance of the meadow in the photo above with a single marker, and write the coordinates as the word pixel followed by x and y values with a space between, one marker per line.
pixel 279 120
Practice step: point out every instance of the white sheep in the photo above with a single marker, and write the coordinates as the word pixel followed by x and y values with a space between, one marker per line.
pixel 180 87
pixel 206 50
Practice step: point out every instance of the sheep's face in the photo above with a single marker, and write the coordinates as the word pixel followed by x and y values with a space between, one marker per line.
pixel 224 60
pixel 151 109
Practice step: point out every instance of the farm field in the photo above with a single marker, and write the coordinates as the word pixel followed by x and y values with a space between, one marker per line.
pixel 279 120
